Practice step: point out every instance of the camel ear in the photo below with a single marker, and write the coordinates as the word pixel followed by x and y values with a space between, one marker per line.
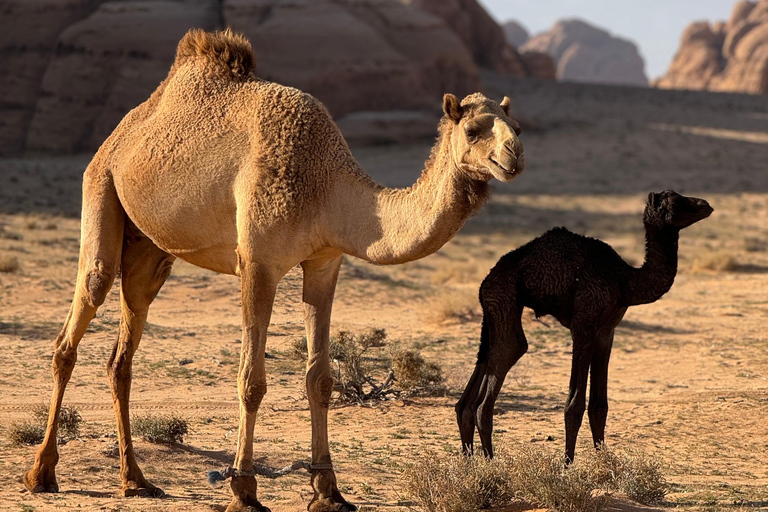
pixel 505 104
pixel 452 107
pixel 654 200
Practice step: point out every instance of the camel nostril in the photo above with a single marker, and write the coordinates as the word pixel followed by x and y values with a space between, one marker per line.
pixel 510 147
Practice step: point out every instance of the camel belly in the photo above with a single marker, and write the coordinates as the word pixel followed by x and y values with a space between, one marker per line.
pixel 192 219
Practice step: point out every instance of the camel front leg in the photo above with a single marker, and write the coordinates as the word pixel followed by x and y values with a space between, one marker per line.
pixel 319 285
pixel 258 294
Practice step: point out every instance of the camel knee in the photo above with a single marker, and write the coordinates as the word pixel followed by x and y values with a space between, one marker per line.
pixel 98 282
pixel 118 370
pixel 64 359
pixel 252 394
pixel 319 388
pixel 574 411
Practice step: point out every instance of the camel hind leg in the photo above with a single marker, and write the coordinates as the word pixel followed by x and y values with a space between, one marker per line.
pixel 144 270
pixel 101 240
pixel 507 344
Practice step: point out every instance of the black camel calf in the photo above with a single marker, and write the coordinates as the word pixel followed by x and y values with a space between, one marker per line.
pixel 586 285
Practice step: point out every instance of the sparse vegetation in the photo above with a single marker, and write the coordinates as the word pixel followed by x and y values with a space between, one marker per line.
pixel 455 307
pixel 363 375
pixel 717 261
pixel 160 429
pixel 26 433
pixel 456 483
pixel 416 375
pixel 69 419
pixel 8 264
pixel 32 432
pixel 633 473
pixel 753 244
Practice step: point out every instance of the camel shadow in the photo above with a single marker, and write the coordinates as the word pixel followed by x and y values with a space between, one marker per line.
pixel 632 325
pixel 223 457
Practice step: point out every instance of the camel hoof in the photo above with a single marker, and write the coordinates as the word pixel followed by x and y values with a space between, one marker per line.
pixel 244 499
pixel 336 504
pixel 237 505
pixel 38 480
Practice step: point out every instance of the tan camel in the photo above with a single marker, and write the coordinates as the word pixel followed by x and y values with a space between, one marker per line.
pixel 247 177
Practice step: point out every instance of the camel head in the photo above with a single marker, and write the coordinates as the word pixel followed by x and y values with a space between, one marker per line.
pixel 673 209
pixel 485 139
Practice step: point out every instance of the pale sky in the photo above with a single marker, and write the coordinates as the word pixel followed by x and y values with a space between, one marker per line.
pixel 654 25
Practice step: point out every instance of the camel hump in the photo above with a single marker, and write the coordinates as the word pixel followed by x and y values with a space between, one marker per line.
pixel 224 50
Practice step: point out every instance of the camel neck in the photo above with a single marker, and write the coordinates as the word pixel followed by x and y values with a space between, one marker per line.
pixel 390 226
pixel 648 283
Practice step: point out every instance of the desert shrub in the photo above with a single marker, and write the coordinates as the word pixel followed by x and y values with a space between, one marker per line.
pixel 455 307
pixel 414 374
pixel 456 483
pixel 299 349
pixel 364 374
pixel 69 420
pixel 632 472
pixel 160 429
pixel 754 244
pixel 9 264
pixel 26 433
pixel 717 261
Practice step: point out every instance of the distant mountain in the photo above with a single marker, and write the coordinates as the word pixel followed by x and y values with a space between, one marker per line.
pixel 585 53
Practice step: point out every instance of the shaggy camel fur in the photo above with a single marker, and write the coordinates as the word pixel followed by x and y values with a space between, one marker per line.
pixel 247 177
pixel 586 285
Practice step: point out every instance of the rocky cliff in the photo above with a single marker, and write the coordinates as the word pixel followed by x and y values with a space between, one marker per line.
pixel 730 56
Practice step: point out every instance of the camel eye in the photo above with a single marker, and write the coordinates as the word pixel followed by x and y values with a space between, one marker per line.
pixel 473 132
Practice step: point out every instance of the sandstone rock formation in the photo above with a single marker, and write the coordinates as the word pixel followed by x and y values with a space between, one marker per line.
pixel 362 55
pixel 584 53
pixel 730 56
pixel 75 67
pixel 482 35
pixel 515 33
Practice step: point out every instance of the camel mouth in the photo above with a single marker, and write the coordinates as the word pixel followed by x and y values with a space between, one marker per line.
pixel 510 171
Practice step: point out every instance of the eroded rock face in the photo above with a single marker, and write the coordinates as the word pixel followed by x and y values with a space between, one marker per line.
pixel 479 32
pixel 583 53
pixel 362 55
pixel 728 57
pixel 78 66
pixel 106 64
pixel 26 46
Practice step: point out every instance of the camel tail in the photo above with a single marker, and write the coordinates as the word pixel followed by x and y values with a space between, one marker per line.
pixel 225 51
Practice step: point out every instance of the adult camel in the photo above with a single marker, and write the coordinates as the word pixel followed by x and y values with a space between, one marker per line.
pixel 247 177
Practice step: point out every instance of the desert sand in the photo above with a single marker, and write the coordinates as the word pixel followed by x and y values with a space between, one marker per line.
pixel 688 377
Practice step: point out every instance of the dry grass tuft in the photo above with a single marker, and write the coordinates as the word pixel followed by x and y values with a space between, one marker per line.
pixel 455 307
pixel 633 473
pixel 716 261
pixel 26 433
pixel 455 483
pixel 69 420
pixel 160 429
pixel 9 264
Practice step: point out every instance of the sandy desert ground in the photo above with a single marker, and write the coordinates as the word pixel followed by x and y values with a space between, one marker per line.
pixel 688 374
